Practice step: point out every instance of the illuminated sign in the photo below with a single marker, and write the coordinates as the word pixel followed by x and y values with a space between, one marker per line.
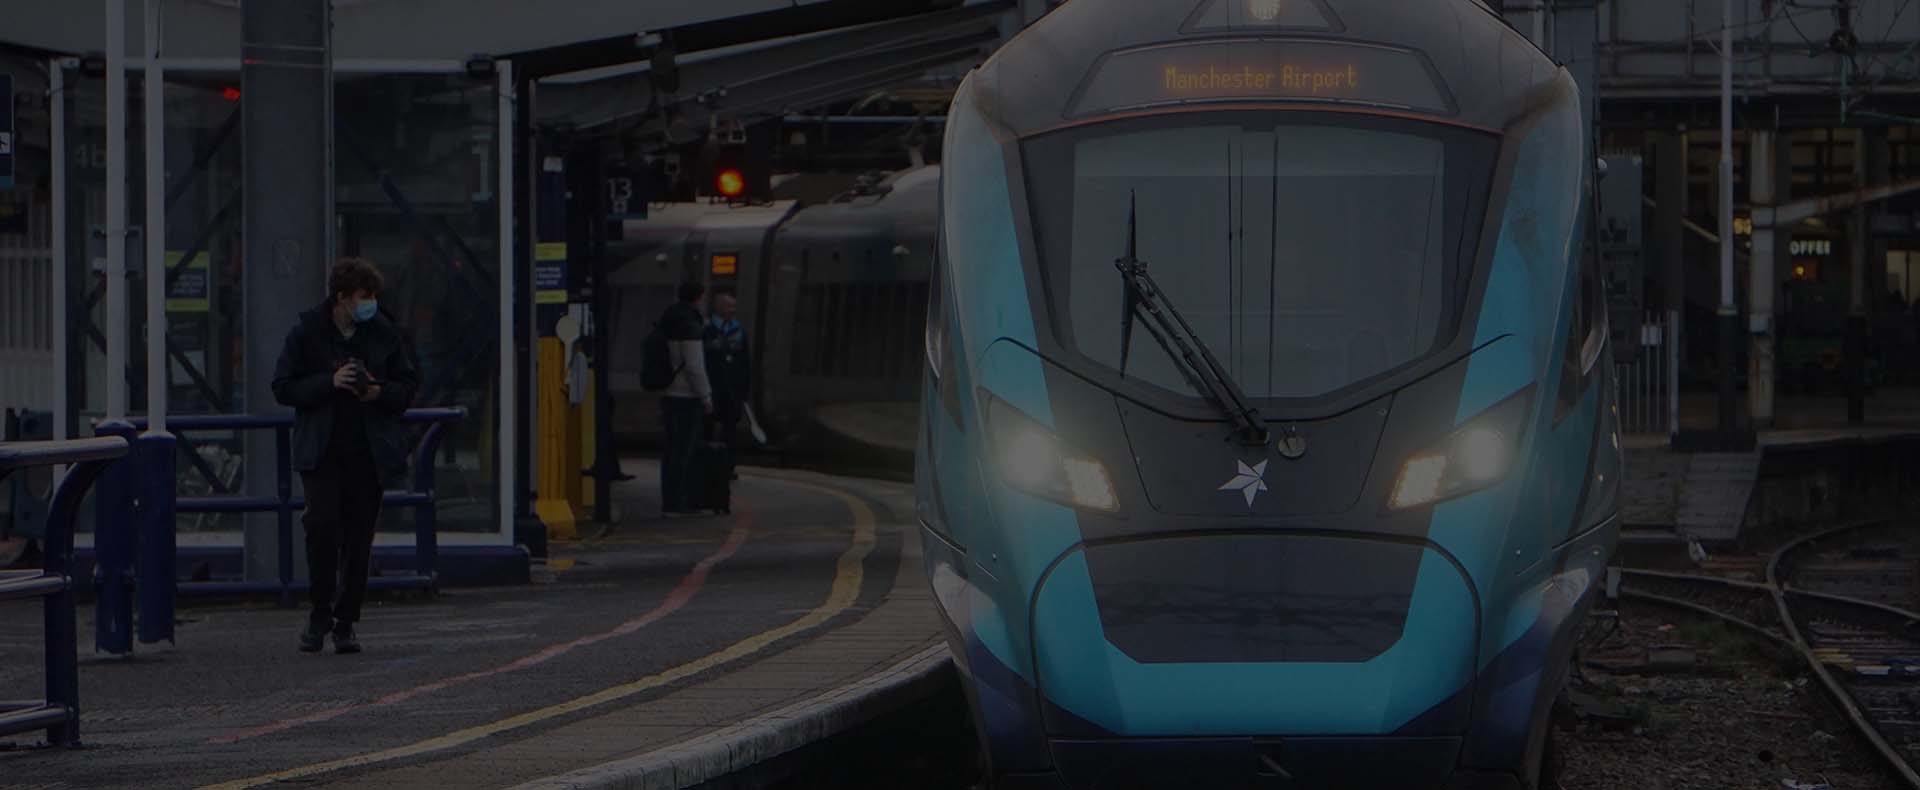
pixel 725 263
pixel 1262 70
pixel 1288 78
pixel 1812 248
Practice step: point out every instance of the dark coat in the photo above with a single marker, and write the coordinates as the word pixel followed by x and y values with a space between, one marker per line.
pixel 729 362
pixel 303 379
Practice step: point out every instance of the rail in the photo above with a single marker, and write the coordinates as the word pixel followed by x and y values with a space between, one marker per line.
pixel 421 497
pixel 1793 637
pixel 59 712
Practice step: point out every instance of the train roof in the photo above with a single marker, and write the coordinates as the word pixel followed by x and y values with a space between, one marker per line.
pixel 906 205
pixel 1452 61
pixel 668 225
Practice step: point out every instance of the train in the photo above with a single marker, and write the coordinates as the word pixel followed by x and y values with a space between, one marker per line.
pixel 832 293
pixel 1266 438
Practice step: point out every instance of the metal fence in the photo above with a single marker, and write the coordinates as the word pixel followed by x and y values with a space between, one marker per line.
pixel 421 496
pixel 59 713
pixel 1645 380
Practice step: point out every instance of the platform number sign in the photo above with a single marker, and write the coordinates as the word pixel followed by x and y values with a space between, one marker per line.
pixel 6 131
pixel 625 199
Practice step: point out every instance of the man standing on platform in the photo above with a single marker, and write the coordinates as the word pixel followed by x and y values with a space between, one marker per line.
pixel 345 371
pixel 686 401
pixel 728 367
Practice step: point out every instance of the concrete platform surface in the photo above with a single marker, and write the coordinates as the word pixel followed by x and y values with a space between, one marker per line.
pixel 649 635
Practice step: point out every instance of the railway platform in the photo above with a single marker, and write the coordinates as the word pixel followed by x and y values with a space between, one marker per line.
pixel 650 653
pixel 1811 462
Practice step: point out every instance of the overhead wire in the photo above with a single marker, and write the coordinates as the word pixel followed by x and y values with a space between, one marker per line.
pixel 1887 69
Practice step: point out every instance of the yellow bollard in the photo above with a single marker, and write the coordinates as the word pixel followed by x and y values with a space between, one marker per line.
pixel 558 489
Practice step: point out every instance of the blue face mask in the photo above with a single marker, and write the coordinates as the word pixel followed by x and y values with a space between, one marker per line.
pixel 363 312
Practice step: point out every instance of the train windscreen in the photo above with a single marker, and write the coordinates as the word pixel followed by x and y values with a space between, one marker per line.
pixel 1309 255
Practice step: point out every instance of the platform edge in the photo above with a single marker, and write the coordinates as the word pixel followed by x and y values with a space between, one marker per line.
pixel 740 746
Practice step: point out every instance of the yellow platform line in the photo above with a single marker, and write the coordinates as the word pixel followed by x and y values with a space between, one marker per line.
pixel 846 588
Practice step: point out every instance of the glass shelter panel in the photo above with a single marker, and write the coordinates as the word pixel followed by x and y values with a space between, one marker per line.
pixel 415 167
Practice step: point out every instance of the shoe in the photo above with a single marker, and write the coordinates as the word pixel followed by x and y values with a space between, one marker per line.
pixel 312 639
pixel 344 641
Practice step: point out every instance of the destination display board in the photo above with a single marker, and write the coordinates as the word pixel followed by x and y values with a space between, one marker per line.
pixel 1255 70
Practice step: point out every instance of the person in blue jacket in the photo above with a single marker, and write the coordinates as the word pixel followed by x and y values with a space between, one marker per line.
pixel 728 369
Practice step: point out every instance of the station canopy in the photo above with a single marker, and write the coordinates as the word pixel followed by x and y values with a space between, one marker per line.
pixel 559 35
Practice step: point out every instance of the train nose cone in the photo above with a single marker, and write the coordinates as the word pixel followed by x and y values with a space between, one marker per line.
pixel 1256 635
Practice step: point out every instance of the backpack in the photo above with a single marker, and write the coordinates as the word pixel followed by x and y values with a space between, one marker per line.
pixel 656 359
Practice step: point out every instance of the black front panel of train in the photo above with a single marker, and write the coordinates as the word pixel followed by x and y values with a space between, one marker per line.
pixel 1317 570
pixel 1184 464
pixel 1253 598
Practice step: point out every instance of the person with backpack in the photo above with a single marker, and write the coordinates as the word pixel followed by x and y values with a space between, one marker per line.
pixel 675 366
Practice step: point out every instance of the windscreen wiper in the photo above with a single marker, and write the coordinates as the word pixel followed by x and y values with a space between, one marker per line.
pixel 1142 294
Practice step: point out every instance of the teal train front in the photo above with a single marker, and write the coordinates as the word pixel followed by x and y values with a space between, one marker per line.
pixel 1266 439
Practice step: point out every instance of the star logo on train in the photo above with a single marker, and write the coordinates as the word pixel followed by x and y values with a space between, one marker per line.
pixel 1250 481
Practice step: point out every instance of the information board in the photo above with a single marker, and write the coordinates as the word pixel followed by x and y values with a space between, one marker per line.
pixel 550 273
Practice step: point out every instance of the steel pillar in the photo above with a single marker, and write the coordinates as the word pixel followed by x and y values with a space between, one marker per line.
pixel 286 125
pixel 528 531
pixel 507 460
pixel 1869 170
pixel 116 223
pixel 1729 313
pixel 1669 248
pixel 1762 282
pixel 154 108
pixel 156 449
pixel 63 390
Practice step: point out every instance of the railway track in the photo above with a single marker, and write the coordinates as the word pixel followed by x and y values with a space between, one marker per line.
pixel 1862 646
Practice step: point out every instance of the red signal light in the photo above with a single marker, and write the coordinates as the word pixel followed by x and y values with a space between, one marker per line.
pixel 731 183
pixel 230 93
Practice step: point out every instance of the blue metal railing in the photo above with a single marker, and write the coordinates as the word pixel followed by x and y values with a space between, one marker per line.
pixel 421 497
pixel 59 713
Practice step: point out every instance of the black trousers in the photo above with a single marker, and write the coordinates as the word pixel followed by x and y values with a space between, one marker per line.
pixel 682 419
pixel 724 423
pixel 343 506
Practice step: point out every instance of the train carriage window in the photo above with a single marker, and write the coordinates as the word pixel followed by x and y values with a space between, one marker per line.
pixel 1311 253
pixel 939 330
pixel 1587 337
pixel 936 334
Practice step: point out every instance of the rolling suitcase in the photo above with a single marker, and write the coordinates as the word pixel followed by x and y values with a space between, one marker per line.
pixel 713 477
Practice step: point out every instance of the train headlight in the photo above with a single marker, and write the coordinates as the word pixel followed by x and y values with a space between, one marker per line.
pixel 1032 459
pixel 1475 456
